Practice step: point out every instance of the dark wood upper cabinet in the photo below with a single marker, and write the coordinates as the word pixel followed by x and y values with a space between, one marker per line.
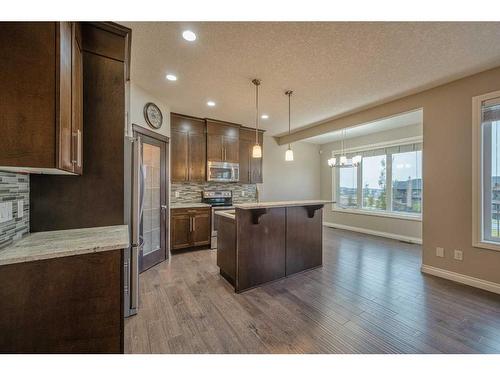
pixel 189 148
pixel 250 168
pixel 222 142
pixel 41 97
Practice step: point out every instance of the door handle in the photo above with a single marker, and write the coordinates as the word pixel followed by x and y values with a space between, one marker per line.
pixel 163 206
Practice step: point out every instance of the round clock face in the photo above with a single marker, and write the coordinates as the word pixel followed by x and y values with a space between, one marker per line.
pixel 153 115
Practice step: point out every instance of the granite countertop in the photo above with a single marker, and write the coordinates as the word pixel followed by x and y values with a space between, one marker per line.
pixel 62 243
pixel 250 206
pixel 231 214
pixel 189 205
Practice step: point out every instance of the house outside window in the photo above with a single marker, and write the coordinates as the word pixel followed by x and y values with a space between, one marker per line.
pixel 388 181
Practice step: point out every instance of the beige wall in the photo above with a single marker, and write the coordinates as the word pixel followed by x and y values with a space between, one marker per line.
pixel 299 179
pixel 394 227
pixel 138 98
pixel 447 169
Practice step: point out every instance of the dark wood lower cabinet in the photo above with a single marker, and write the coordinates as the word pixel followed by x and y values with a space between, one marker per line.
pixel 190 228
pixel 72 304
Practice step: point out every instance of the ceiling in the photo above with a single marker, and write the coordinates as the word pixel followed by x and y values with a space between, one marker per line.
pixel 332 67
pixel 389 123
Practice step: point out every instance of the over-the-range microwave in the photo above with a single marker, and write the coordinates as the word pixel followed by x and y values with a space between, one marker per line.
pixel 223 172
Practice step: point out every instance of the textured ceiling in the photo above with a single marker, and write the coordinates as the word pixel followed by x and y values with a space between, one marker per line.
pixel 333 67
pixel 389 123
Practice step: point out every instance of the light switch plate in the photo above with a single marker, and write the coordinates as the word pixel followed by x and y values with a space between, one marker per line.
pixel 20 208
pixel 440 252
pixel 5 211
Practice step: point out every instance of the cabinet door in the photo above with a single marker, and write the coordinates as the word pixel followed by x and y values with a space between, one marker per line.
pixel 231 149
pixel 201 234
pixel 245 155
pixel 181 231
pixel 63 95
pixel 197 157
pixel 215 150
pixel 77 99
pixel 179 152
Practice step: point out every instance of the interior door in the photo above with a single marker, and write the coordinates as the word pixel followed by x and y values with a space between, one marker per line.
pixel 153 224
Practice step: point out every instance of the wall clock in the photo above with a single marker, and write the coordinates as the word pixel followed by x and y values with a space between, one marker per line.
pixel 153 115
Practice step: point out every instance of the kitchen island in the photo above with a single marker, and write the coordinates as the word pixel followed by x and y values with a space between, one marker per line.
pixel 266 241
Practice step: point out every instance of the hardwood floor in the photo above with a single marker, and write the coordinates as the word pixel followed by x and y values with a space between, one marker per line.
pixel 368 297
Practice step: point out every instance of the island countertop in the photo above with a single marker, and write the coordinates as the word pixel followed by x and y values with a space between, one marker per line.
pixel 250 206
pixel 62 243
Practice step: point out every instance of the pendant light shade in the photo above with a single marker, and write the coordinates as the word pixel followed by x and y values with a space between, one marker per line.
pixel 289 152
pixel 257 149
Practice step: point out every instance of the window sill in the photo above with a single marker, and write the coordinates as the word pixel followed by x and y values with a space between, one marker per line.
pixel 391 215
pixel 487 245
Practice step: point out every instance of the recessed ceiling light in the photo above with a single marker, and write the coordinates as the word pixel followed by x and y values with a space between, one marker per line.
pixel 189 35
pixel 211 103
pixel 171 77
pixel 265 117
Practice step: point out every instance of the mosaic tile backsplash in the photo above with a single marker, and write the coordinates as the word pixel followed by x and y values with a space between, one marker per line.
pixel 14 187
pixel 190 192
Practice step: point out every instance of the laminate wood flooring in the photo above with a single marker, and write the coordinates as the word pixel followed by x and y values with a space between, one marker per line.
pixel 368 297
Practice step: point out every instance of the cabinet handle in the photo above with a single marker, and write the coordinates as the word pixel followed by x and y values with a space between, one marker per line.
pixel 79 148
pixel 222 153
pixel 190 224
pixel 194 223
pixel 225 154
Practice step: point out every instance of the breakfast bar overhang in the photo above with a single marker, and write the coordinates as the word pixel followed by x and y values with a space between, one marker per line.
pixel 263 242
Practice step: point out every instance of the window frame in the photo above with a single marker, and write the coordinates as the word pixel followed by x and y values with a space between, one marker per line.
pixel 374 212
pixel 478 239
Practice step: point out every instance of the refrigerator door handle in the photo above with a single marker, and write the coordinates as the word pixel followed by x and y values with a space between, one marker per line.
pixel 137 205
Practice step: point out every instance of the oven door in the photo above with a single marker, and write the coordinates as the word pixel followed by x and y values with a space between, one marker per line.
pixel 223 172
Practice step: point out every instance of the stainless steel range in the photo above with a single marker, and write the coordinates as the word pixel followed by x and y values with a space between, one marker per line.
pixel 219 200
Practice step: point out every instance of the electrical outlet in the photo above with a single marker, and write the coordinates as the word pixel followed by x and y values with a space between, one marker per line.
pixel 458 254
pixel 5 211
pixel 440 252
pixel 177 194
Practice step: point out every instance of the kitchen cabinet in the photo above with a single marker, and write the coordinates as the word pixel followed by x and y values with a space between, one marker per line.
pixel 250 168
pixel 190 227
pixel 41 102
pixel 222 142
pixel 71 304
pixel 188 142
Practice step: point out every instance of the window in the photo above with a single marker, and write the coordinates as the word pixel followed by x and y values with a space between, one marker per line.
pixel 486 171
pixel 389 180
pixel 407 182
pixel 374 181
pixel 348 186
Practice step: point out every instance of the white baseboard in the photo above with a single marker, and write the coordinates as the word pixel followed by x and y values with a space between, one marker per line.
pixel 393 236
pixel 462 279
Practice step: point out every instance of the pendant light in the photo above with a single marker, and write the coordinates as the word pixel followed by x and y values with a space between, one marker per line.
pixel 257 149
pixel 289 152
